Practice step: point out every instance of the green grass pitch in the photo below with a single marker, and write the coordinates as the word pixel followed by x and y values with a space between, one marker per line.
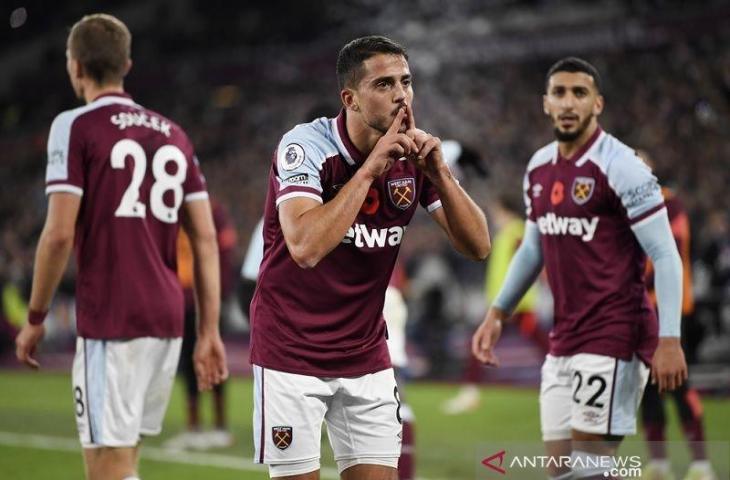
pixel 38 434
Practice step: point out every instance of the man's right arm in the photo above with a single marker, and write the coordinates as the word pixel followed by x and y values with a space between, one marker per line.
pixel 312 230
pixel 54 249
pixel 521 274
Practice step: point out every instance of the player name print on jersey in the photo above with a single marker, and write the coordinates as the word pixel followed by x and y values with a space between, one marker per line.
pixel 140 119
pixel 552 224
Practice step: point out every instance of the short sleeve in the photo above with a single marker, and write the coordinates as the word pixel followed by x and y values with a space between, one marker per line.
pixel 529 213
pixel 298 165
pixel 636 186
pixel 194 186
pixel 65 170
pixel 429 198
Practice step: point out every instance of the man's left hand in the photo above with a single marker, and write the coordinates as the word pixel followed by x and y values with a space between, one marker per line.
pixel 209 360
pixel 668 366
pixel 428 158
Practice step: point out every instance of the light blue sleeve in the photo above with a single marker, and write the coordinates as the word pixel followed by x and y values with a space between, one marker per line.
pixel 299 159
pixel 655 236
pixel 634 183
pixel 522 271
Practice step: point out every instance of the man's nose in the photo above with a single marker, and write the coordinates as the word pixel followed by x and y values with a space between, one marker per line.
pixel 399 94
pixel 568 101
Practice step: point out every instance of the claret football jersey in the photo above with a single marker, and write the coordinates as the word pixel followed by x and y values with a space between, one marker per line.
pixel 327 321
pixel 585 208
pixel 133 169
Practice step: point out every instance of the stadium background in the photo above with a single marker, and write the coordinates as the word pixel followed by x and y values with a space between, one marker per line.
pixel 237 75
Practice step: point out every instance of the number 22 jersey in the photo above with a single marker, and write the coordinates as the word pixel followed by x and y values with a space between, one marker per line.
pixel 133 169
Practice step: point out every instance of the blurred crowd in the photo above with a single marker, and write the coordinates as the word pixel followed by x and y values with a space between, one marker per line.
pixel 237 77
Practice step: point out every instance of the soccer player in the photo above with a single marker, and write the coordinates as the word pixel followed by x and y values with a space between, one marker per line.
pixel 341 194
pixel 594 212
pixel 120 180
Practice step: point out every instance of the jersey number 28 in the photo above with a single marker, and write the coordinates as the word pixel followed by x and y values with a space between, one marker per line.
pixel 130 206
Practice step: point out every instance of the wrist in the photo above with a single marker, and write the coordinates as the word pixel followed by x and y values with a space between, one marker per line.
pixel 497 314
pixel 363 175
pixel 36 317
pixel 669 341
pixel 441 177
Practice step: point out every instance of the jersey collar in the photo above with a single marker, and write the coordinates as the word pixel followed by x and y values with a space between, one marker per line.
pixel 580 156
pixel 348 149
pixel 113 94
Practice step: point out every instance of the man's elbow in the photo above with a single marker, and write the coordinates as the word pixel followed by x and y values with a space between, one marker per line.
pixel 481 251
pixel 205 244
pixel 59 239
pixel 303 256
pixel 478 251
pixel 485 248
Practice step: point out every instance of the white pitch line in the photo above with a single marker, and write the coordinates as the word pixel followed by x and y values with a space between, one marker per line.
pixel 61 444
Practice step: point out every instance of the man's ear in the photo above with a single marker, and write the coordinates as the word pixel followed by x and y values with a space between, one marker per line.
pixel 127 67
pixel 349 99
pixel 77 69
pixel 598 105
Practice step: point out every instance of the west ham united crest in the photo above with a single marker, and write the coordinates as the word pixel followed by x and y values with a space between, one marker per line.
pixel 583 189
pixel 402 192
pixel 282 437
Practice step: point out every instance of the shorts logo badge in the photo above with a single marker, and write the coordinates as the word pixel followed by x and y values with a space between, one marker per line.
pixel 282 437
pixel 583 189
pixel 402 192
pixel 292 157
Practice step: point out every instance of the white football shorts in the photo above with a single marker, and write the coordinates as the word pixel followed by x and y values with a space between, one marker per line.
pixel 121 388
pixel 362 416
pixel 590 393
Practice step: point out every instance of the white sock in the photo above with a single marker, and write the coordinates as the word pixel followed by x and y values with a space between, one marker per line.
pixel 133 477
pixel 701 464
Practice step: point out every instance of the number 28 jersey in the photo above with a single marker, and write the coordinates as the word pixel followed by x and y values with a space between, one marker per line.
pixel 133 169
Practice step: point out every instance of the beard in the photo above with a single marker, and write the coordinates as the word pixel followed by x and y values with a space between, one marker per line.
pixel 574 135
pixel 379 123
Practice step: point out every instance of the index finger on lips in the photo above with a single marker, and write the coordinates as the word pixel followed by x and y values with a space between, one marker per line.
pixel 411 122
pixel 397 121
